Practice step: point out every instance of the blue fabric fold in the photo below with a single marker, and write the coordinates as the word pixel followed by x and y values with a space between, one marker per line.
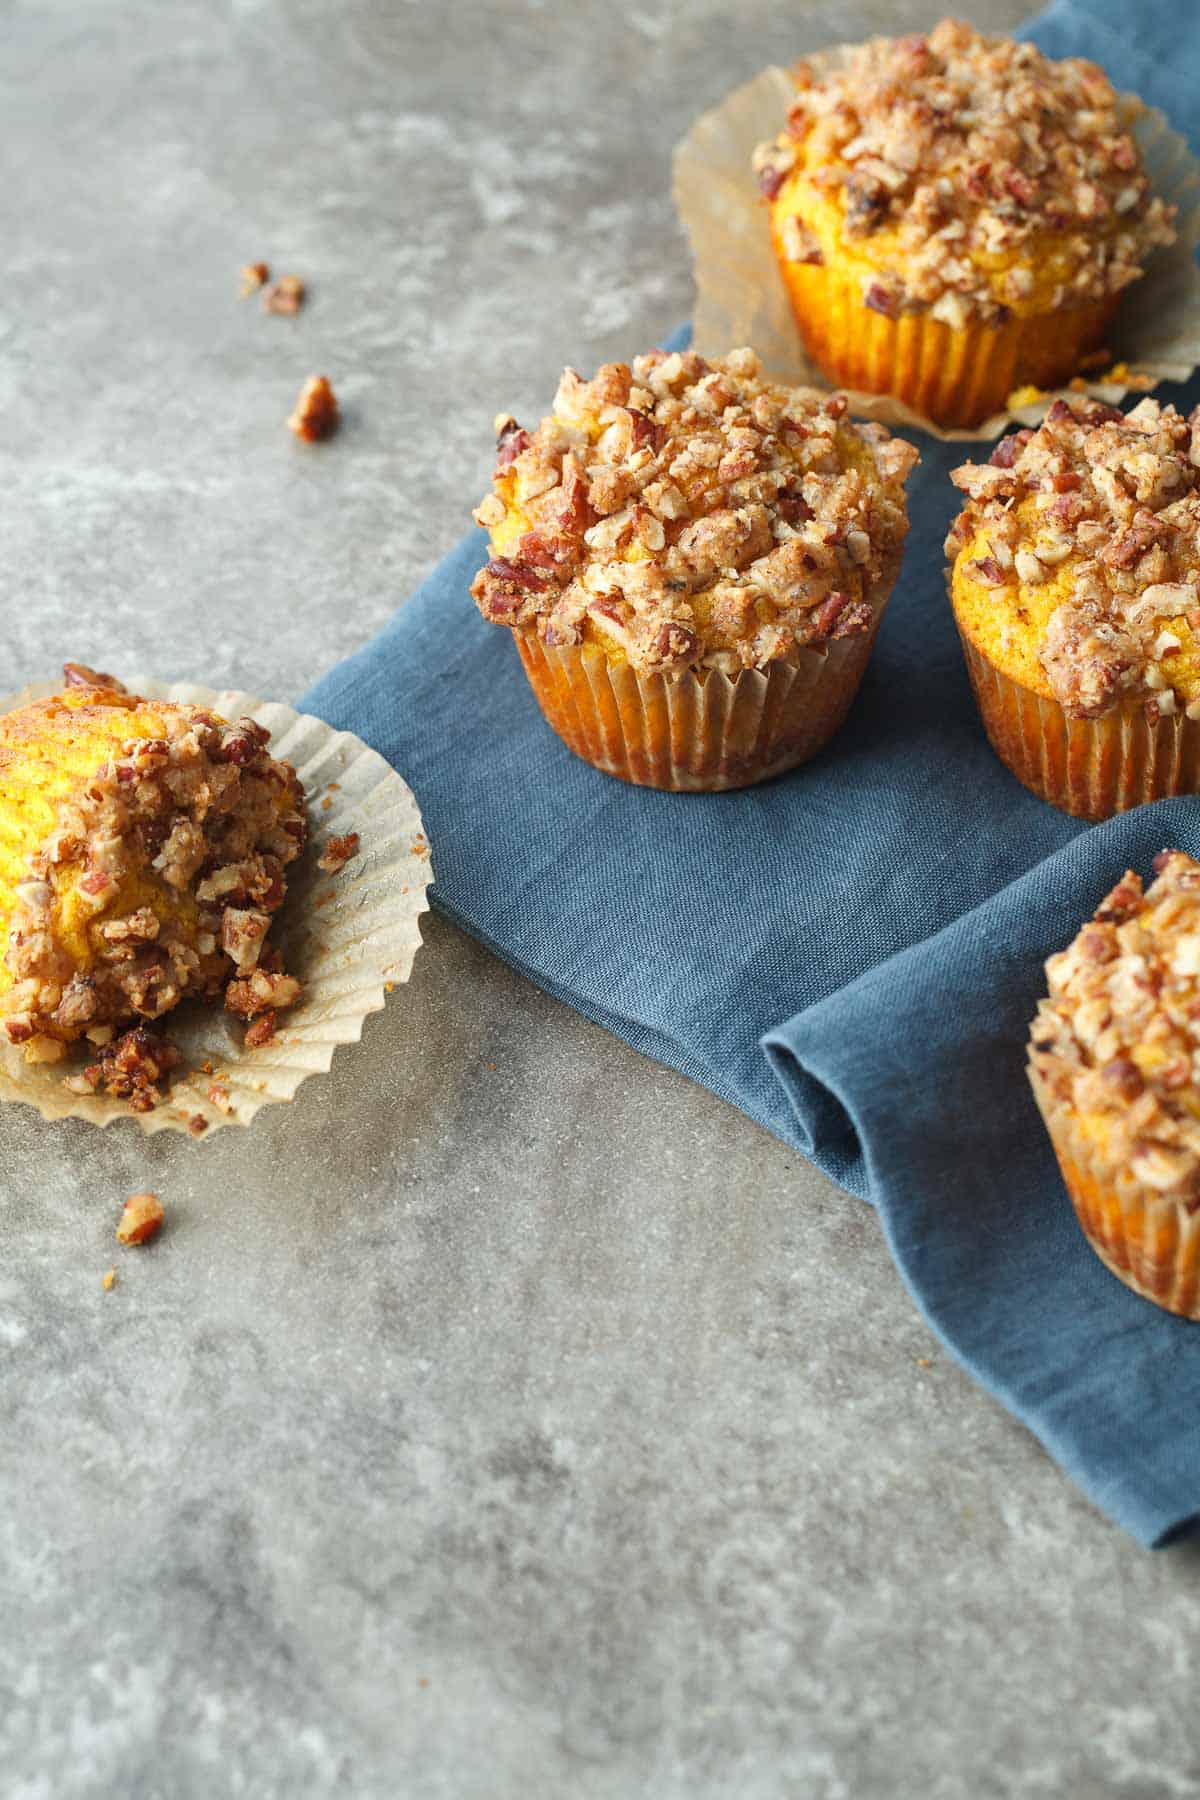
pixel 875 922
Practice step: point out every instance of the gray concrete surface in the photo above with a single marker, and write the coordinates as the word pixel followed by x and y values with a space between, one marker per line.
pixel 438 1448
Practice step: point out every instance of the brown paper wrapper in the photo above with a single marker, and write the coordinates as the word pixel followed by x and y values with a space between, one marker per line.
pixel 742 297
pixel 1091 768
pixel 350 938
pixel 699 731
pixel 1149 1242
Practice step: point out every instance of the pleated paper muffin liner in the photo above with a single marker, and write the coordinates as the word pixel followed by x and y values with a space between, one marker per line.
pixel 1091 768
pixel 742 294
pixel 700 731
pixel 950 377
pixel 349 937
pixel 1147 1240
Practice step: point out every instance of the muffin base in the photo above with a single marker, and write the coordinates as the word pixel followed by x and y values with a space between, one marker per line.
pixel 952 377
pixel 1091 768
pixel 1147 1240
pixel 698 731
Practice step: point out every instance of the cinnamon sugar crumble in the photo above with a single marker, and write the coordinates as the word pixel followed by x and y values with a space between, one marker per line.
pixel 693 514
pixel 1119 1035
pixel 1119 494
pixel 973 149
pixel 315 415
pixel 253 277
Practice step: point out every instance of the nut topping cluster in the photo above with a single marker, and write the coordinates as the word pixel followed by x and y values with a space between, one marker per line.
pixel 1117 494
pixel 976 152
pixel 219 820
pixel 690 513
pixel 1119 1035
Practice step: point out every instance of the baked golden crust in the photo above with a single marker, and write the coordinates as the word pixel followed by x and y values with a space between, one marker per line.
pixel 1076 566
pixel 1115 1047
pixel 684 513
pixel 966 175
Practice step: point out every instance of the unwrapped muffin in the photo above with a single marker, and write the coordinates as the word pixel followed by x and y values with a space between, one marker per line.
pixel 694 563
pixel 1114 1061
pixel 142 854
pixel 956 216
pixel 1075 583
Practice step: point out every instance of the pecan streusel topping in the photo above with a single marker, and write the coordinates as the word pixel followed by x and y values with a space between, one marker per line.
pixel 683 513
pixel 154 875
pixel 1101 508
pixel 1118 1039
pixel 958 161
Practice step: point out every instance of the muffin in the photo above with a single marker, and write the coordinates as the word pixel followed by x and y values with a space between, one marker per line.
pixel 1075 583
pixel 693 563
pixel 1114 1059
pixel 142 854
pixel 956 216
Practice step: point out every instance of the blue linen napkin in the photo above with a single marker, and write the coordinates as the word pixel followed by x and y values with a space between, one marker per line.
pixel 876 922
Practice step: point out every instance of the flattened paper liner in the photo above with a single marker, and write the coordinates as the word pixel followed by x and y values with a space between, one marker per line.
pixel 741 299
pixel 349 937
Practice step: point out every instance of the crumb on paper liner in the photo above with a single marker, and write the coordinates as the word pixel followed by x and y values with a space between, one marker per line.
pixel 741 297
pixel 349 936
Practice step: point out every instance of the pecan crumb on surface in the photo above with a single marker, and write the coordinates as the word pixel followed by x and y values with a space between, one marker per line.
pixel 284 296
pixel 338 852
pixel 108 1280
pixel 253 276
pixel 262 1031
pixel 141 1218
pixel 316 413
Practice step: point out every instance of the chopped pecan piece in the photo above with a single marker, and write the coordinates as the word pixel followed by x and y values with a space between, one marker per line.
pixel 284 296
pixel 77 674
pixel 141 1219
pixel 132 1067
pixel 261 1031
pixel 867 202
pixel 511 441
pixel 881 299
pixel 1126 547
pixel 838 616
pixel 338 852
pixel 260 991
pixel 316 414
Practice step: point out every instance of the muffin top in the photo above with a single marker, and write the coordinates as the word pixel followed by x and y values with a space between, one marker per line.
pixel 683 513
pixel 1118 1039
pixel 971 175
pixel 1077 557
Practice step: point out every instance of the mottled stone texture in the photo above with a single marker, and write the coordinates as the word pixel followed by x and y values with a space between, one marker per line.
pixel 509 1418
